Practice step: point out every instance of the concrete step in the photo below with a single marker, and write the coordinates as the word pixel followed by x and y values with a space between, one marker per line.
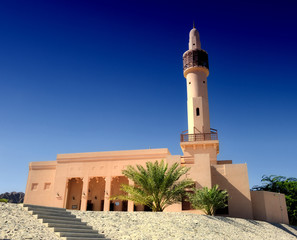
pixel 51 213
pixel 75 234
pixel 75 230
pixel 83 238
pixel 46 210
pixel 66 218
pixel 43 207
pixel 65 225
pixel 72 221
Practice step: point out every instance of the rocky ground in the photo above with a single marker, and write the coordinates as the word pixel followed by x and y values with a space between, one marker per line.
pixel 17 224
pixel 182 226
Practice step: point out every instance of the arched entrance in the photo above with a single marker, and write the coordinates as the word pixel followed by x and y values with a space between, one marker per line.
pixel 118 205
pixel 75 186
pixel 96 194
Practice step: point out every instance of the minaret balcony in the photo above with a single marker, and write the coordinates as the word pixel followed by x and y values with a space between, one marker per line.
pixel 195 58
pixel 212 135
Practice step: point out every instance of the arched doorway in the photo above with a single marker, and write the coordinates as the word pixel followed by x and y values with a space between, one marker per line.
pixel 118 205
pixel 75 186
pixel 96 194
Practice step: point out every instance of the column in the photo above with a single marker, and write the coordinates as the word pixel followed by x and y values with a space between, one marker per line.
pixel 107 193
pixel 131 203
pixel 85 192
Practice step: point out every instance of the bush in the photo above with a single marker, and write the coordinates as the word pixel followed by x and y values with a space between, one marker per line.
pixel 208 199
pixel 3 200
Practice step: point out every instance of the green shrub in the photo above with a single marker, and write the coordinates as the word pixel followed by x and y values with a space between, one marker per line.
pixel 208 199
pixel 3 200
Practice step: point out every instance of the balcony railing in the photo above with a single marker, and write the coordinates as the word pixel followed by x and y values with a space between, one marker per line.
pixel 213 135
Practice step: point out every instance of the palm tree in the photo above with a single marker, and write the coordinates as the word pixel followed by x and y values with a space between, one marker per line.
pixel 208 200
pixel 155 186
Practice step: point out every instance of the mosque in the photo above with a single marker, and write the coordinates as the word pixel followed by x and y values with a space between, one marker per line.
pixel 86 181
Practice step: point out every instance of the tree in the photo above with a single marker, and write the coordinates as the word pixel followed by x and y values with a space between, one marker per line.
pixel 155 186
pixel 287 186
pixel 208 200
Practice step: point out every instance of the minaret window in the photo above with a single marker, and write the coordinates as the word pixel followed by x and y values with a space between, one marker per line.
pixel 197 112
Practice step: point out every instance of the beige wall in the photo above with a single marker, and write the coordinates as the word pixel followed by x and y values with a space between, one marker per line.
pixel 200 170
pixel 208 147
pixel 234 179
pixel 269 206
pixel 40 183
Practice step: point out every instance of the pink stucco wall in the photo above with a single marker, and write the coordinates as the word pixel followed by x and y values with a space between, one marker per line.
pixel 269 206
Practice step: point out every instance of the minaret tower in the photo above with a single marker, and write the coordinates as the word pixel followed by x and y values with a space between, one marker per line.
pixel 196 71
pixel 200 138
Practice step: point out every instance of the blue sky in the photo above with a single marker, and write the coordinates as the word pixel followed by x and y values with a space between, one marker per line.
pixel 84 76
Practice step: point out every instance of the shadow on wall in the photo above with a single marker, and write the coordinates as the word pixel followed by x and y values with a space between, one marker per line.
pixel 239 205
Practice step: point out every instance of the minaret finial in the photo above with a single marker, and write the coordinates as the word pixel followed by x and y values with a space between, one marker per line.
pixel 193 24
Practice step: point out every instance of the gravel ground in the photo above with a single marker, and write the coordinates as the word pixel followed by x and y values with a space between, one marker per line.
pixel 165 226
pixel 17 224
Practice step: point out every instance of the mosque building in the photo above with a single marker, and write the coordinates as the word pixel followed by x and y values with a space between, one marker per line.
pixel 86 181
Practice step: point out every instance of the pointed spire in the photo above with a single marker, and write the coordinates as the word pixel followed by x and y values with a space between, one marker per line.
pixel 194 40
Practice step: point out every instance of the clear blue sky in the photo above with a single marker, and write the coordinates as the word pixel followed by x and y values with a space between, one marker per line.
pixel 84 76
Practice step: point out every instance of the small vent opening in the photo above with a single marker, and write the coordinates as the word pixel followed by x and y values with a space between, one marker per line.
pixel 197 112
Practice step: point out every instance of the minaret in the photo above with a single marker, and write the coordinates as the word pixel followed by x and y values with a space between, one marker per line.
pixel 200 138
pixel 195 65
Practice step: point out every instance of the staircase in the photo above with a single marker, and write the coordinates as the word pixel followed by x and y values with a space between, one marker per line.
pixel 63 223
